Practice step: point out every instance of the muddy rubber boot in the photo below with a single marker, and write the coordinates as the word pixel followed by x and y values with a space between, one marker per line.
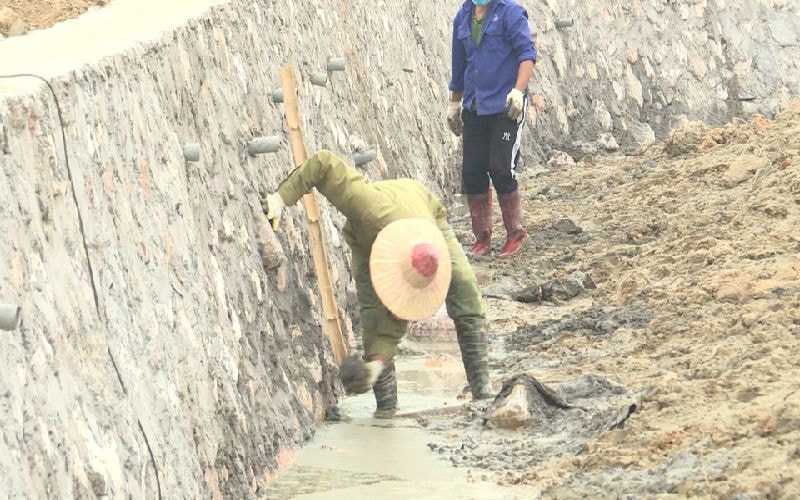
pixel 472 342
pixel 511 207
pixel 385 390
pixel 480 210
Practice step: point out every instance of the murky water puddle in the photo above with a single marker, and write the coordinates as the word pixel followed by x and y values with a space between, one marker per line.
pixel 376 458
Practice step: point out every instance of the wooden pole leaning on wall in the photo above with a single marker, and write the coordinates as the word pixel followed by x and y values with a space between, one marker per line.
pixel 320 256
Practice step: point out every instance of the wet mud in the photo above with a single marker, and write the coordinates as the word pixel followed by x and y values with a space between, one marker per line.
pixel 550 422
pixel 694 321
pixel 367 457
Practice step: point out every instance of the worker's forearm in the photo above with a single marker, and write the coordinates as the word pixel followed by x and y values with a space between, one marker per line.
pixel 524 74
pixel 456 96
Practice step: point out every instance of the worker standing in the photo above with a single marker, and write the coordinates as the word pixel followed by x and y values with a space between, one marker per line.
pixel 406 263
pixel 493 56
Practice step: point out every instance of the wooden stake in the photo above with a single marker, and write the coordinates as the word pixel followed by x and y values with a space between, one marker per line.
pixel 329 307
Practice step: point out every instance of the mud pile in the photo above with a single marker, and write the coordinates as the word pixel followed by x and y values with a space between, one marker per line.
pixel 694 248
pixel 17 17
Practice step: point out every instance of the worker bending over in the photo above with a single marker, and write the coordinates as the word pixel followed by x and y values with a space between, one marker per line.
pixel 406 262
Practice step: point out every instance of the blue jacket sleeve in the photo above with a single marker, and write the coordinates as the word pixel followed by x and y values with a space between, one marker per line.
pixel 459 60
pixel 520 34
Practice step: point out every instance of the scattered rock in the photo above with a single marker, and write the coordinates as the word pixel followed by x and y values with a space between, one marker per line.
pixel 11 24
pixel 560 160
pixel 558 289
pixel 521 402
pixel 7 18
pixel 742 169
pixel 642 134
pixel 504 288
pixel 547 292
pixel 583 279
pixel 567 226
pixel 686 139
pixel 608 143
pixel 272 255
pixel 585 148
pixel 514 412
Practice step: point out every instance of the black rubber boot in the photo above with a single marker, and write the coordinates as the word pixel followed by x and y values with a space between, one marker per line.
pixel 385 390
pixel 472 342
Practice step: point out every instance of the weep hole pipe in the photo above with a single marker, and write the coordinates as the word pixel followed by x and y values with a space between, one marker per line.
pixel 261 145
pixel 9 317
pixel 336 64
pixel 363 157
pixel 191 151
pixel 564 23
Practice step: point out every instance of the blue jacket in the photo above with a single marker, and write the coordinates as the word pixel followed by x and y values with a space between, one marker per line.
pixel 488 72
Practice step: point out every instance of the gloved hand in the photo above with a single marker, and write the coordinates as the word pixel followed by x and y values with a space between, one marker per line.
pixel 273 206
pixel 454 117
pixel 357 376
pixel 514 103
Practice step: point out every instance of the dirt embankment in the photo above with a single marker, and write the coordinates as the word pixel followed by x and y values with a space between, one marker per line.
pixel 670 281
pixel 17 17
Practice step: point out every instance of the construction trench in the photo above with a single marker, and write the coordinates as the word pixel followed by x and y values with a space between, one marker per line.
pixel 644 342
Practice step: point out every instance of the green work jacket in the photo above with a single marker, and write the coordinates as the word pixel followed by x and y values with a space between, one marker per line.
pixel 368 207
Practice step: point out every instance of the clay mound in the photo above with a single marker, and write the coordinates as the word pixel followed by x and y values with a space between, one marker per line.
pixel 696 136
pixel 17 17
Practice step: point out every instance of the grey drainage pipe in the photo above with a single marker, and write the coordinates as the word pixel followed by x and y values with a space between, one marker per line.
pixel 191 151
pixel 9 317
pixel 564 23
pixel 261 145
pixel 362 157
pixel 336 64
pixel 319 79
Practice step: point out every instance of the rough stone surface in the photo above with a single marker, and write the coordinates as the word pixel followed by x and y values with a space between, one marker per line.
pixel 154 295
pixel 150 321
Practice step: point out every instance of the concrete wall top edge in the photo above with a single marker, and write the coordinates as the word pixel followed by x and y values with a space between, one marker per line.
pixel 98 33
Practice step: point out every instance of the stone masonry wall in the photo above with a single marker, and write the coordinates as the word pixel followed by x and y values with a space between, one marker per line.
pixel 152 325
pixel 627 72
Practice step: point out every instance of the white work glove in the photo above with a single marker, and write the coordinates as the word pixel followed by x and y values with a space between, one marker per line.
pixel 374 369
pixel 273 206
pixel 454 117
pixel 514 103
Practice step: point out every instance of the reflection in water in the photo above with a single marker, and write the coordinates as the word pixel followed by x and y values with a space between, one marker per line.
pixel 372 458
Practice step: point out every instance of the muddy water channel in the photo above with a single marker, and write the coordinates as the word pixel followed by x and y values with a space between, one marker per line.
pixel 365 457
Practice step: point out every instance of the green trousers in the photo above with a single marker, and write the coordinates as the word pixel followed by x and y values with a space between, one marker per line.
pixel 383 330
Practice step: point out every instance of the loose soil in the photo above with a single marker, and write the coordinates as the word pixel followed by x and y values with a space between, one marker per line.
pixel 17 17
pixel 671 282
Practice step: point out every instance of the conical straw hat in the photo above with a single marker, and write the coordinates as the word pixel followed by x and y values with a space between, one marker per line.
pixel 410 268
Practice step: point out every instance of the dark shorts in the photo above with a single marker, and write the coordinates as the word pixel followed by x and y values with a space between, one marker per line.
pixel 491 151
